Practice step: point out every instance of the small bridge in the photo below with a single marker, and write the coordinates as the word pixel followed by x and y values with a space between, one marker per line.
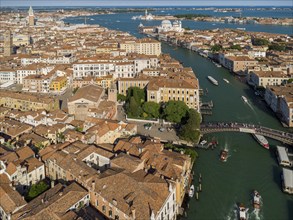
pixel 247 128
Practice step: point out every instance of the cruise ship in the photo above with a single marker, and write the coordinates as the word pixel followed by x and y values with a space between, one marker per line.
pixel 262 141
pixel 215 82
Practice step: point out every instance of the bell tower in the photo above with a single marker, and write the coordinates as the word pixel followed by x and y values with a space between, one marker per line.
pixel 31 17
pixel 7 43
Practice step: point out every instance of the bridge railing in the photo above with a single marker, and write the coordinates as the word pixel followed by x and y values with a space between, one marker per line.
pixel 257 128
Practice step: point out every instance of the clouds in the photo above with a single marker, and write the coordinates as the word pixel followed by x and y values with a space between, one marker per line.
pixel 146 3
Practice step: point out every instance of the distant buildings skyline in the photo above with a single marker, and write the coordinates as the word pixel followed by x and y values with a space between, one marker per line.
pixel 168 3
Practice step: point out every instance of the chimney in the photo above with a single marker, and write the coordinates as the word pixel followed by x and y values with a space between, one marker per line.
pixel 52 183
pixel 42 200
pixel 133 213
pixel 93 185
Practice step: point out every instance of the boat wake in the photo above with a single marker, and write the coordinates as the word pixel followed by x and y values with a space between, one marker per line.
pixel 233 213
pixel 256 214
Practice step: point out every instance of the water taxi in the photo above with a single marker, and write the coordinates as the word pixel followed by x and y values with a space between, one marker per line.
pixel 226 80
pixel 256 200
pixel 224 155
pixel 191 191
pixel 262 140
pixel 215 82
pixel 244 99
pixel 242 212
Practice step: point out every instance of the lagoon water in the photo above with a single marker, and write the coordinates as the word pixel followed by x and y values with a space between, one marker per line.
pixel 249 166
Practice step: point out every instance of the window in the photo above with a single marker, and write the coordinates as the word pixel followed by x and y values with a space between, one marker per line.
pixel 97 203
pixel 110 213
pixel 104 208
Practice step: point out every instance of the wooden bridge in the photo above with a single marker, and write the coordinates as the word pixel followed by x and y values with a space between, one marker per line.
pixel 247 128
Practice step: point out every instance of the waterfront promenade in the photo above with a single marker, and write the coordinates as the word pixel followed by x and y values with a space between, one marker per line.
pixel 247 128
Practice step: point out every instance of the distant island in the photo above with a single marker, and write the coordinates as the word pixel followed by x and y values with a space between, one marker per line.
pixel 191 16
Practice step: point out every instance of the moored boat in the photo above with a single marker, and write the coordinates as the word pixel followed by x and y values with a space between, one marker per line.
pixel 203 142
pixel 224 155
pixel 191 191
pixel 242 212
pixel 244 99
pixel 226 80
pixel 262 140
pixel 256 200
pixel 215 82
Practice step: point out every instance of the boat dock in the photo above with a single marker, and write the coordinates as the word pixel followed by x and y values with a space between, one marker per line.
pixel 206 108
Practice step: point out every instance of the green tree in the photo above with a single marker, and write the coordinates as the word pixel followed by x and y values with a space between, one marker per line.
pixel 236 47
pixel 192 153
pixel 152 109
pixel 277 47
pixel 60 137
pixel 137 93
pixel 121 97
pixel 175 111
pixel 216 47
pixel 190 130
pixel 36 190
pixel 133 108
pixel 260 42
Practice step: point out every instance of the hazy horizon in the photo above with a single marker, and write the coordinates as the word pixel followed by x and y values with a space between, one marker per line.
pixel 149 3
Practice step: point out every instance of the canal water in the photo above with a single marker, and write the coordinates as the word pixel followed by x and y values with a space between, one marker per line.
pixel 249 166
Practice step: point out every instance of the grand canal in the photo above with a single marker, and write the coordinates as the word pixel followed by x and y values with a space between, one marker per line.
pixel 249 166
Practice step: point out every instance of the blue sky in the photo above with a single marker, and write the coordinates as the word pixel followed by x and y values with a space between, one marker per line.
pixel 4 3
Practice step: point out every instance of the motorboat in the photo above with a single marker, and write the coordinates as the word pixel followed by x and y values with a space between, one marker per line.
pixel 244 99
pixel 262 140
pixel 226 80
pixel 191 191
pixel 203 142
pixel 242 212
pixel 224 155
pixel 215 82
pixel 256 200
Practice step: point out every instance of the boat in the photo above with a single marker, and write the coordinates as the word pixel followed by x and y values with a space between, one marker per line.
pixel 203 142
pixel 224 155
pixel 191 191
pixel 244 99
pixel 256 200
pixel 262 140
pixel 218 65
pixel 242 212
pixel 117 21
pixel 242 29
pixel 226 80
pixel 215 82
